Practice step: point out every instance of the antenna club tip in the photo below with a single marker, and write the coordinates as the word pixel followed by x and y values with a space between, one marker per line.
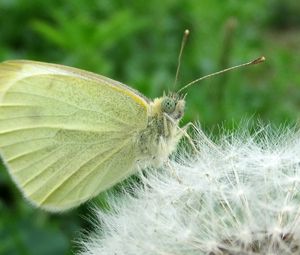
pixel 187 32
pixel 258 60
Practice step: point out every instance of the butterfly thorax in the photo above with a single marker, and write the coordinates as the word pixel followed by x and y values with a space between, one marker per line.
pixel 159 139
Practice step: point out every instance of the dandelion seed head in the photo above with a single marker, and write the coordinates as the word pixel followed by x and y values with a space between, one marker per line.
pixel 239 195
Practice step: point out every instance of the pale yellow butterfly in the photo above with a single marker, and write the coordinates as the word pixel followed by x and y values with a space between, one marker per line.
pixel 68 134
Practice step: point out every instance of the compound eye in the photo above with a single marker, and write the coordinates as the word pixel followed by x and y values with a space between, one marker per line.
pixel 168 105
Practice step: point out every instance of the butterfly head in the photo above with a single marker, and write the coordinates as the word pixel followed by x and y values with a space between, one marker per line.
pixel 171 105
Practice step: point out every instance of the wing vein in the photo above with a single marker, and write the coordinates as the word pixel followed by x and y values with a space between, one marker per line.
pixel 75 106
pixel 78 169
pixel 42 158
pixel 62 128
pixel 43 96
pixel 15 157
pixel 25 141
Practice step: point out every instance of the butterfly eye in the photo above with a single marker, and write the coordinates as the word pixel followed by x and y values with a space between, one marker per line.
pixel 168 105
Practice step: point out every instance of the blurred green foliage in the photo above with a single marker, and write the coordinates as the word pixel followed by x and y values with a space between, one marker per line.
pixel 137 43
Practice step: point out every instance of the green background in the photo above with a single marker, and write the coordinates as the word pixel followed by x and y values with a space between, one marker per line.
pixel 137 43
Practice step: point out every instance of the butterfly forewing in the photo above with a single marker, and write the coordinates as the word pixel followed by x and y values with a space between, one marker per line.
pixel 66 134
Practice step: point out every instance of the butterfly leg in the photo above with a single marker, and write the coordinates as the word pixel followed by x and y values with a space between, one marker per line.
pixel 184 133
pixel 181 131
pixel 201 134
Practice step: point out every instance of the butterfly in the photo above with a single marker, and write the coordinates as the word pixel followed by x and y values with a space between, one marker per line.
pixel 68 134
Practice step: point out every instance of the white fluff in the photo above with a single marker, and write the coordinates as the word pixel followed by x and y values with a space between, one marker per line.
pixel 239 195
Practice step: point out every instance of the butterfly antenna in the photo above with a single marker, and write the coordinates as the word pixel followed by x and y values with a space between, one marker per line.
pixel 253 62
pixel 183 42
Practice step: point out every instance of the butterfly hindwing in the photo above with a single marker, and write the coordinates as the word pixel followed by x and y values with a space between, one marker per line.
pixel 66 134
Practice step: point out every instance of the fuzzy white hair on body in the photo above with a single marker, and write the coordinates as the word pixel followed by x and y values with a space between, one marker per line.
pixel 238 196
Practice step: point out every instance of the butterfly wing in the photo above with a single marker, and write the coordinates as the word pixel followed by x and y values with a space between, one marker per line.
pixel 66 134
